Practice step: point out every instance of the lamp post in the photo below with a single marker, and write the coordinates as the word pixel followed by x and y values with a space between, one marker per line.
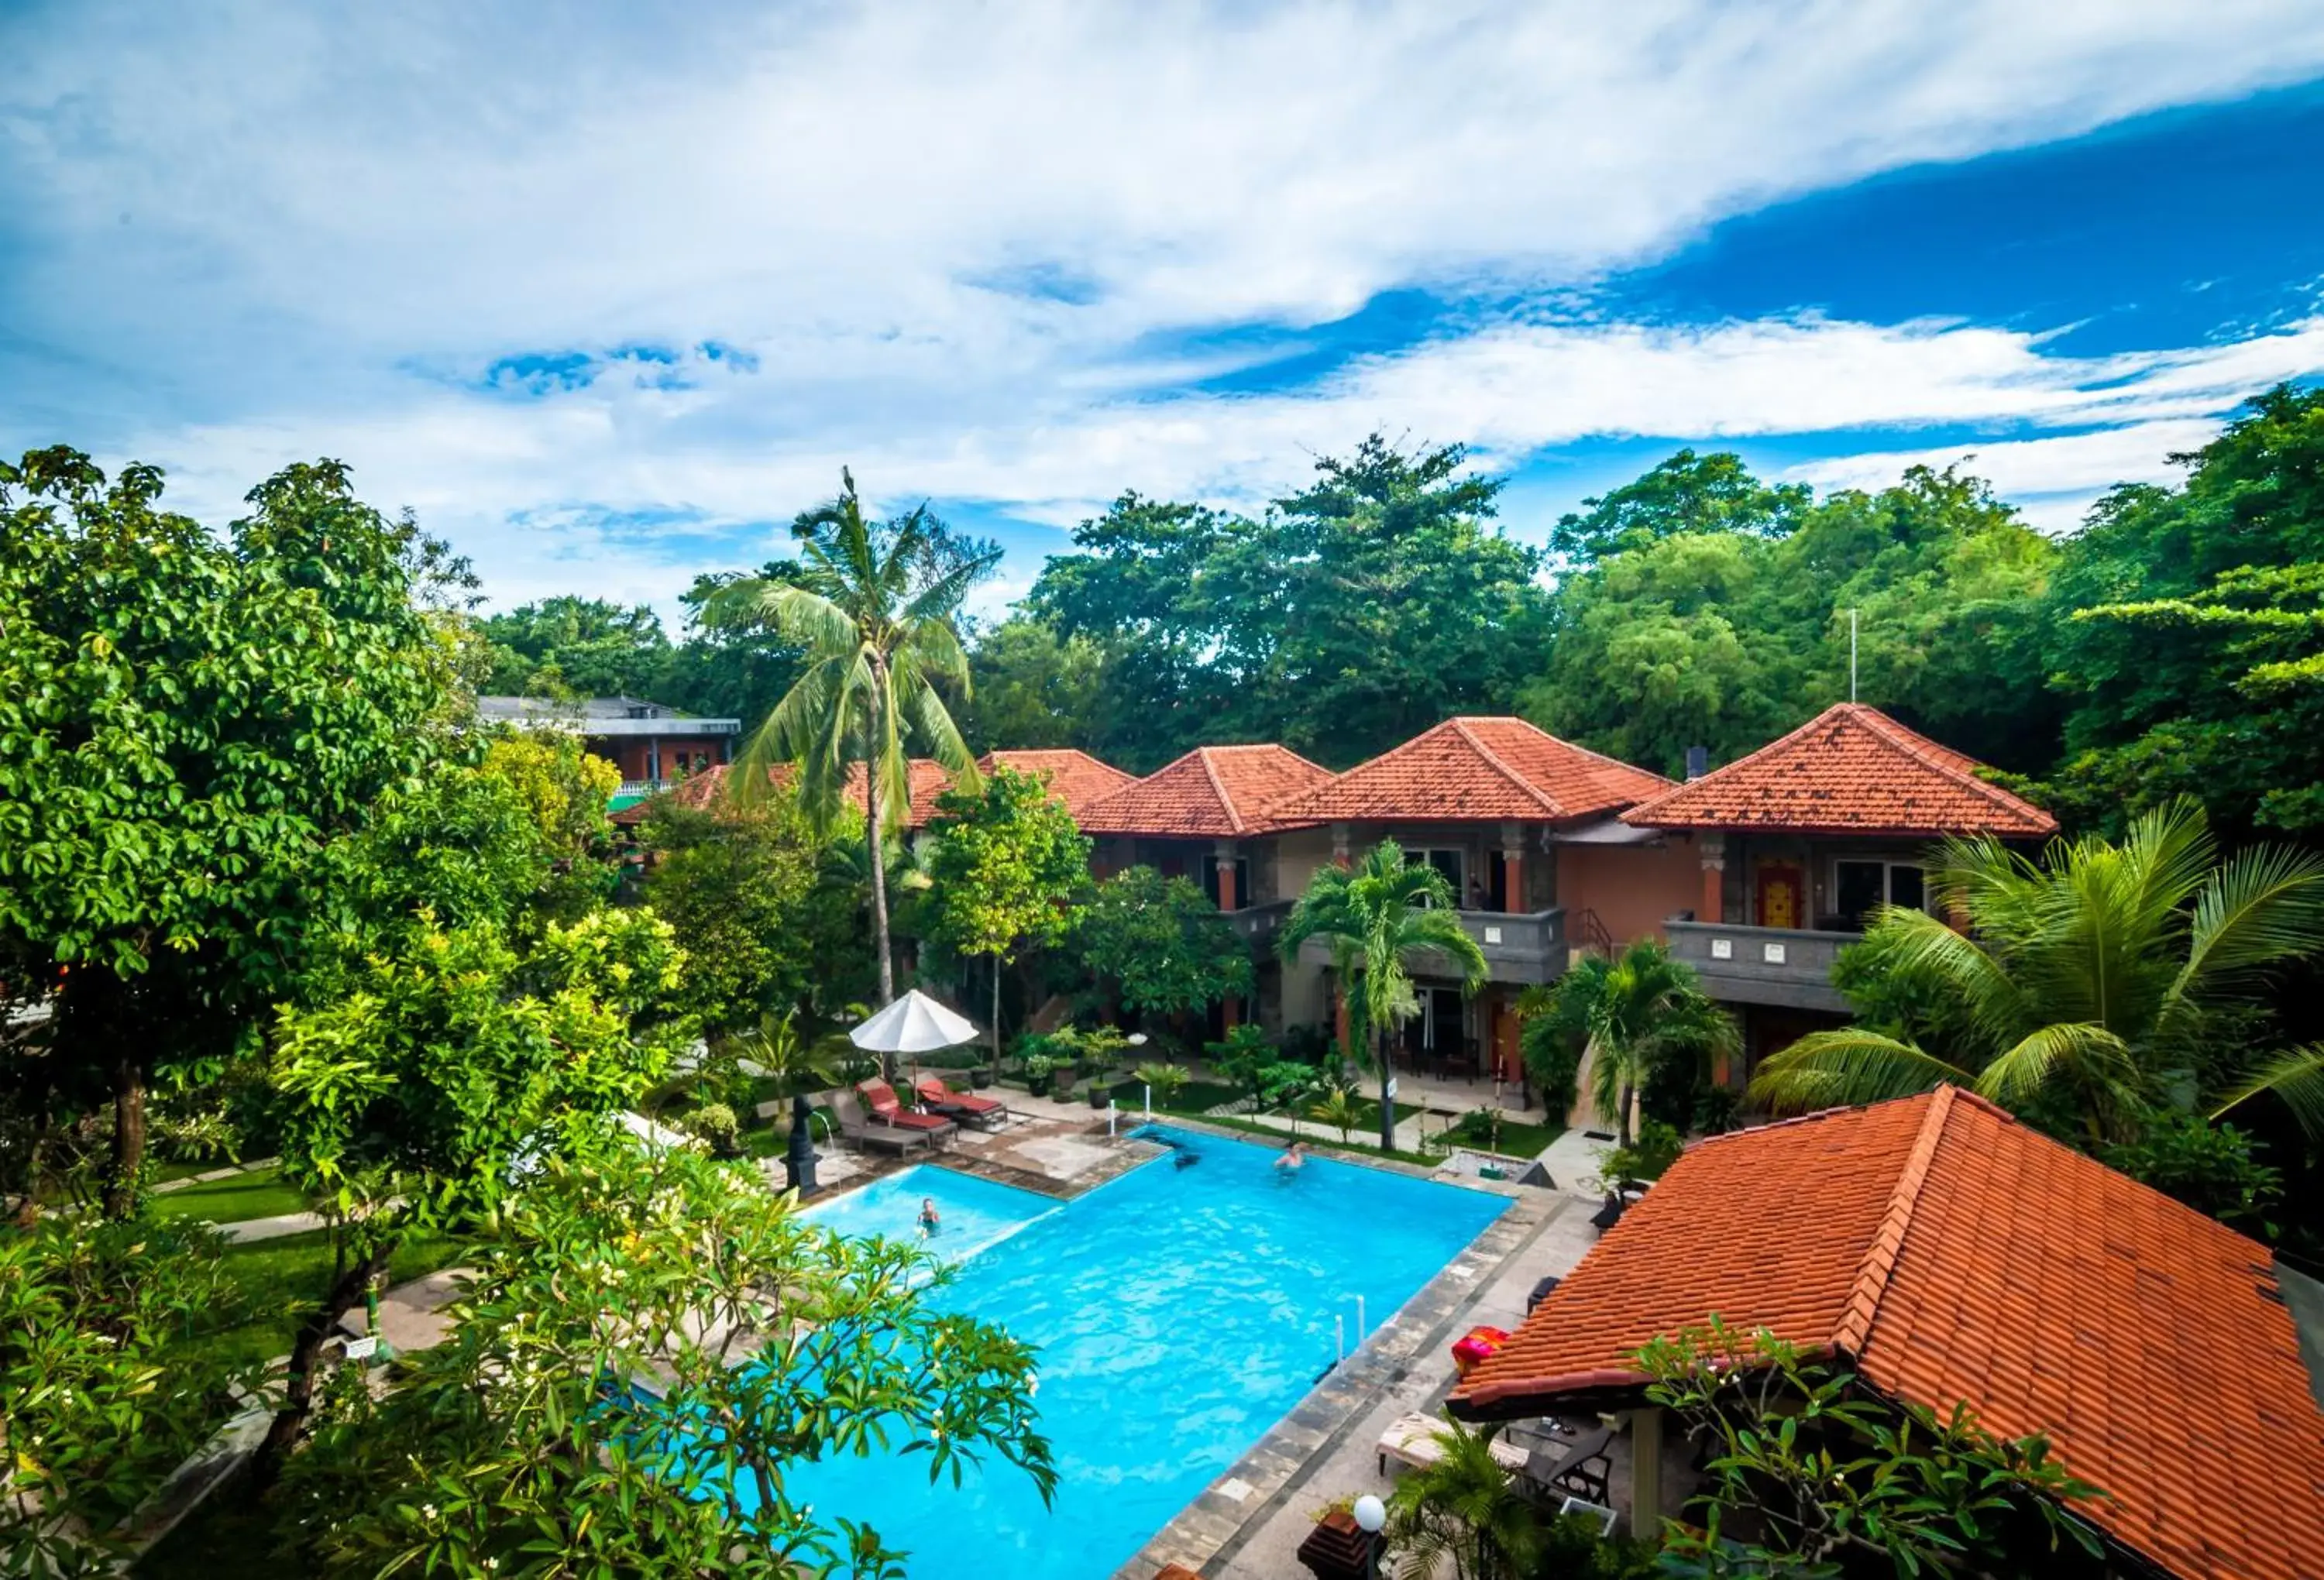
pixel 1370 1514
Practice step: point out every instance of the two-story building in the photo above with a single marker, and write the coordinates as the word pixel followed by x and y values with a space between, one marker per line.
pixel 653 745
pixel 1511 816
pixel 1799 842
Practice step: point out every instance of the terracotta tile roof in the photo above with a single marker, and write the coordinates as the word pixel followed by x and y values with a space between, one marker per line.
pixel 1953 1254
pixel 1213 792
pixel 1076 778
pixel 1851 769
pixel 930 779
pixel 1476 768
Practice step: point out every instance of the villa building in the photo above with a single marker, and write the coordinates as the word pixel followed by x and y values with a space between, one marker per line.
pixel 1798 843
pixel 1948 1254
pixel 655 747
pixel 1518 822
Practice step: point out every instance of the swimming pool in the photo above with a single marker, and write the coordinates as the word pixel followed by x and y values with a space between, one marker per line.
pixel 1179 1312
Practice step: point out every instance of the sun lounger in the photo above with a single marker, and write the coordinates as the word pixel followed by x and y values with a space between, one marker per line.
pixel 880 1098
pixel 984 1113
pixel 1412 1440
pixel 858 1130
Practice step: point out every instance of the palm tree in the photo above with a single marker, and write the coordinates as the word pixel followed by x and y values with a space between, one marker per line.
pixel 1467 1507
pixel 872 605
pixel 2105 983
pixel 1376 916
pixel 1631 1017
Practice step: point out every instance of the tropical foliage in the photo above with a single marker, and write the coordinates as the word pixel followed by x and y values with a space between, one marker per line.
pixel 872 606
pixel 1828 1473
pixel 1004 862
pixel 1464 1510
pixel 1634 1023
pixel 1157 945
pixel 527 1442
pixel 1379 918
pixel 2104 983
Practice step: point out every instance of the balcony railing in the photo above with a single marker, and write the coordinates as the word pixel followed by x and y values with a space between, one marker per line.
pixel 644 787
pixel 1517 946
pixel 1785 966
pixel 1259 924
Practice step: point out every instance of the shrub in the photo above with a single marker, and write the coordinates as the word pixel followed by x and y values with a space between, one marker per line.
pixel 1646 1158
pixel 1166 1079
pixel 2210 1167
pixel 716 1123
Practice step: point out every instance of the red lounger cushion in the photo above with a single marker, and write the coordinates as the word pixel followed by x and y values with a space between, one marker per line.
pixel 934 1093
pixel 886 1110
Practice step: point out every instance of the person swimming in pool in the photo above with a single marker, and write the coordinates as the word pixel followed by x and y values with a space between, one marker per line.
pixel 1292 1161
pixel 930 1220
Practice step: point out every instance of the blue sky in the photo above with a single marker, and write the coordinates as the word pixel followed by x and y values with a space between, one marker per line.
pixel 605 302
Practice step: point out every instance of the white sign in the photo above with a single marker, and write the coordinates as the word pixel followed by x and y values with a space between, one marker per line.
pixel 362 1349
pixel 1775 953
pixel 1722 949
pixel 1492 935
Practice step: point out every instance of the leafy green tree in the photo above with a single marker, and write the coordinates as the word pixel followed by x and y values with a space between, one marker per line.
pixel 565 790
pixel 1036 688
pixel 751 893
pixel 1633 1018
pixel 763 1344
pixel 1004 862
pixel 1834 1474
pixel 2210 1167
pixel 2177 628
pixel 1687 493
pixel 872 606
pixel 415 1079
pixel 1465 1507
pixel 1378 918
pixel 189 727
pixel 1161 944
pixel 1299 627
pixel 99 1398
pixel 2096 988
pixel 581 647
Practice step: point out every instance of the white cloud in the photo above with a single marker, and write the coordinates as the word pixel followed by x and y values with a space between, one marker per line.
pixel 241 235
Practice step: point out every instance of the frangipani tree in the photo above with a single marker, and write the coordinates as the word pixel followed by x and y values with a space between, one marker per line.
pixel 872 605
pixel 2103 983
pixel 1377 917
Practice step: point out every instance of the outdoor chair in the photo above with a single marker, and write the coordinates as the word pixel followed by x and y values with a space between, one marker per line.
pixel 1580 1467
pixel 880 1098
pixel 1412 1440
pixel 984 1113
pixel 858 1131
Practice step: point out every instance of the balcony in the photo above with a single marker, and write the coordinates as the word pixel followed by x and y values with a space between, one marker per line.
pixel 1257 925
pixel 1518 948
pixel 1782 966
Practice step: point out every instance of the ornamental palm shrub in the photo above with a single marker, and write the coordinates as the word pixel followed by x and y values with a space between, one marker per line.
pixel 1627 1021
pixel 2103 984
pixel 1378 917
pixel 1466 1508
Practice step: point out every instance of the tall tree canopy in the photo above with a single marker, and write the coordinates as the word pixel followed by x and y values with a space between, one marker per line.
pixel 190 724
pixel 1355 613
pixel 588 646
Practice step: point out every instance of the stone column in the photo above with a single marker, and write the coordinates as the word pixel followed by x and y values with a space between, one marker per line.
pixel 1647 1471
pixel 1223 854
pixel 1513 897
pixel 1341 845
pixel 1714 879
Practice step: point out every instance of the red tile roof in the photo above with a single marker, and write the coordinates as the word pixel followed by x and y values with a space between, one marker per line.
pixel 1472 769
pixel 929 779
pixel 1851 769
pixel 1076 778
pixel 1953 1254
pixel 1213 792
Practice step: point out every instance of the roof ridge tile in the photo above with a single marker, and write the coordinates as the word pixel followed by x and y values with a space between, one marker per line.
pixel 1493 759
pixel 1888 1241
pixel 1219 788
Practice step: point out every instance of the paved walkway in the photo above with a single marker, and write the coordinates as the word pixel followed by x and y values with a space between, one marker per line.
pixel 271 1228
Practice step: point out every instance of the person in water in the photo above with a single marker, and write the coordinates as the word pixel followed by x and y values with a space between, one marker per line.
pixel 930 1220
pixel 1292 1161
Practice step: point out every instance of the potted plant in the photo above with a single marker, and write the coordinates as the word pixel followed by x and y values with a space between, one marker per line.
pixel 980 1075
pixel 1100 1095
pixel 1040 1072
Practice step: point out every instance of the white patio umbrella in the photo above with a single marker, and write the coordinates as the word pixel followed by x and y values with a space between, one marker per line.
pixel 915 1024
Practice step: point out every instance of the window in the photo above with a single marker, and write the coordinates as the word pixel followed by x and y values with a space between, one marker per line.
pixel 1862 887
pixel 1452 864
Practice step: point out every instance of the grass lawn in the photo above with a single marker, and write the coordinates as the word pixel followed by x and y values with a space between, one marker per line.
pixel 281 1280
pixel 230 1201
pixel 1199 1096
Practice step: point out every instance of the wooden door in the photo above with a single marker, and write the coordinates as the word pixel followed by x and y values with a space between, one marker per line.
pixel 1783 895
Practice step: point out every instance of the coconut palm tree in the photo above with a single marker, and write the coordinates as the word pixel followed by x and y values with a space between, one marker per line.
pixel 872 605
pixel 1376 917
pixel 1466 1507
pixel 2102 984
pixel 1631 1017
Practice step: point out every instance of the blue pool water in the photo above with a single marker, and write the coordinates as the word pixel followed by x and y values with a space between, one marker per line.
pixel 1179 1313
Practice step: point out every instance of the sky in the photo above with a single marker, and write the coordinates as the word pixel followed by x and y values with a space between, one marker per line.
pixel 607 294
